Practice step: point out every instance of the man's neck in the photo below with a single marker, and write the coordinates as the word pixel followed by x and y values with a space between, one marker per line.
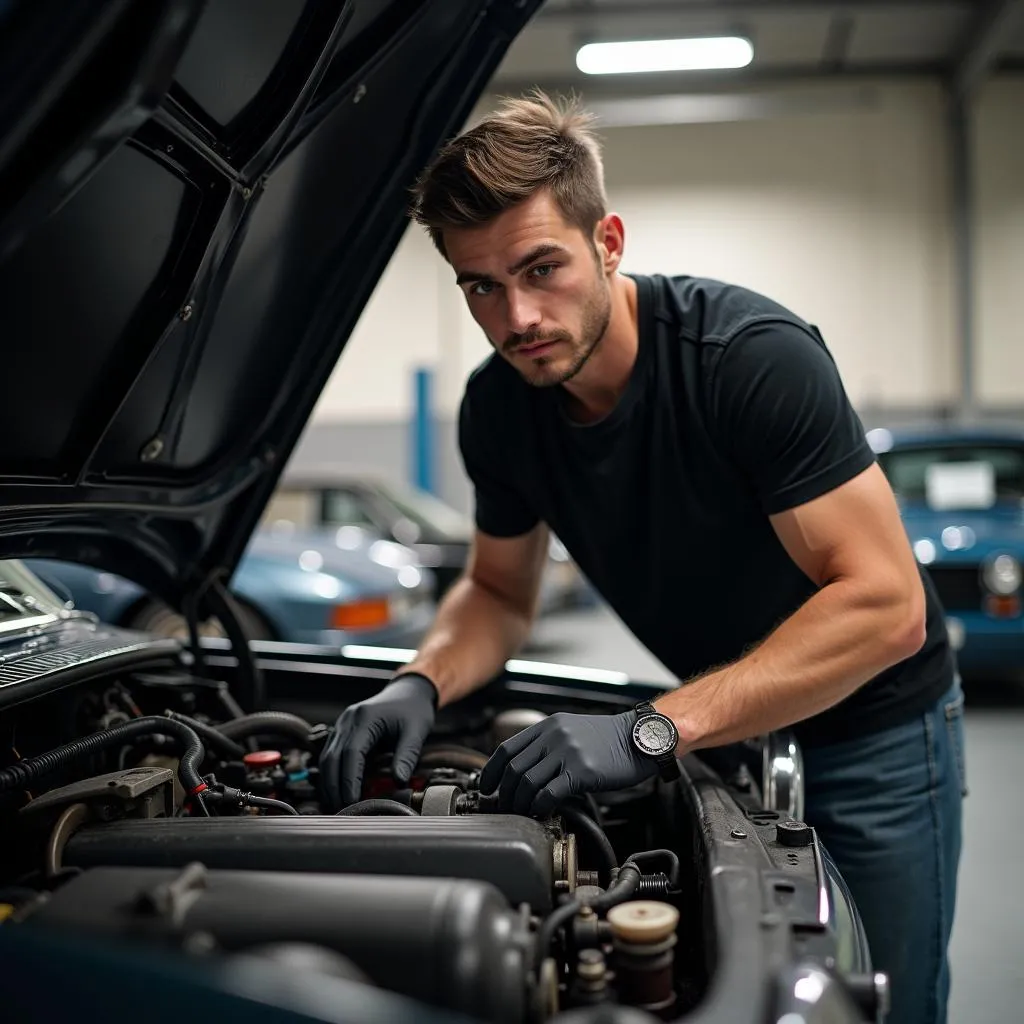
pixel 596 389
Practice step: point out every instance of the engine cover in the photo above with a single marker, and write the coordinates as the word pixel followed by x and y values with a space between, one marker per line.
pixel 513 853
pixel 453 944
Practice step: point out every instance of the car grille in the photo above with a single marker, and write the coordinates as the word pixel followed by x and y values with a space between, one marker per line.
pixel 959 586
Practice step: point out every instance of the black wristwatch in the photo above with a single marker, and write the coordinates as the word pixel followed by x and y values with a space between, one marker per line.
pixel 655 736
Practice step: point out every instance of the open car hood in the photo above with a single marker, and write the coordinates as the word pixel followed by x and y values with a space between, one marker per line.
pixel 197 198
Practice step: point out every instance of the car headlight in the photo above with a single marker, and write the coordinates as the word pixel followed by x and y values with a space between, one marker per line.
pixel 1002 575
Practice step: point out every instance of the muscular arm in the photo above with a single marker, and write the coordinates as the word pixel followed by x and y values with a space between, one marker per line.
pixel 486 616
pixel 867 615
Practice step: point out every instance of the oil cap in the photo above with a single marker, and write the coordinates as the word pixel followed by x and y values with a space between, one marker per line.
pixel 794 833
pixel 262 759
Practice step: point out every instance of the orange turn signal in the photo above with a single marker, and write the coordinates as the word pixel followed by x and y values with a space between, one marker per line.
pixel 370 613
pixel 1002 607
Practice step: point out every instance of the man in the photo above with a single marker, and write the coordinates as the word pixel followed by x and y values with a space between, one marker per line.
pixel 691 444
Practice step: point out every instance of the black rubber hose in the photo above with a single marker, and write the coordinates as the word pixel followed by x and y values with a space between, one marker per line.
pixel 581 823
pixel 212 739
pixel 249 677
pixel 230 705
pixel 625 885
pixel 595 811
pixel 268 802
pixel 623 888
pixel 267 723
pixel 20 775
pixel 673 860
pixel 190 607
pixel 551 924
pixel 371 807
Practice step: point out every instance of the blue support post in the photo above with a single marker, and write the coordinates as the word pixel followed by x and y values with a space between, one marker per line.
pixel 423 432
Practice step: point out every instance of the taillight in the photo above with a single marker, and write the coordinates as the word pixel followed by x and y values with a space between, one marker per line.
pixel 370 613
pixel 1001 606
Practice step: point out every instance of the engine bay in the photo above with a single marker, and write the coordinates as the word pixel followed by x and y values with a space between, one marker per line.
pixel 145 806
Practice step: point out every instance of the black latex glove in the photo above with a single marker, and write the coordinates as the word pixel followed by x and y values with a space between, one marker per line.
pixel 563 756
pixel 403 711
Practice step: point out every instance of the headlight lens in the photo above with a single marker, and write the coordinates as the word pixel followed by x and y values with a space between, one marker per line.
pixel 1003 575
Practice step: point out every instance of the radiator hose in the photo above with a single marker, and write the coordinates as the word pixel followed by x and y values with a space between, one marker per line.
pixel 267 723
pixel 213 740
pixel 22 774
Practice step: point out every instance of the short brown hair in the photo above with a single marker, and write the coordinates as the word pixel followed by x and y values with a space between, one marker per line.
pixel 528 144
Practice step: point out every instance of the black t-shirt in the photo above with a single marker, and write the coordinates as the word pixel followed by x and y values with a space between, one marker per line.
pixel 734 411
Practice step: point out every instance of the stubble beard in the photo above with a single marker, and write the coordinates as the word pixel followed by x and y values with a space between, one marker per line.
pixel 541 372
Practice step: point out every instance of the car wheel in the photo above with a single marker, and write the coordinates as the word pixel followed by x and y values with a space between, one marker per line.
pixel 155 617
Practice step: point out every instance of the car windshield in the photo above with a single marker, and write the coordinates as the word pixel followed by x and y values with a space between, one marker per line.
pixel 956 476
pixel 24 599
pixel 427 511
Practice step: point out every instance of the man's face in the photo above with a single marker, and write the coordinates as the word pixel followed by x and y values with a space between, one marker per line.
pixel 535 286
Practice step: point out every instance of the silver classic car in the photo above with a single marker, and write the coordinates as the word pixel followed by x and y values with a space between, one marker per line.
pixel 329 498
pixel 197 201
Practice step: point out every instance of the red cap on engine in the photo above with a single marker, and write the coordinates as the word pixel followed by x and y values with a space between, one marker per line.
pixel 262 758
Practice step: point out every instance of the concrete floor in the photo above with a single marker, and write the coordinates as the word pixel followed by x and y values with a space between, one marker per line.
pixel 987 953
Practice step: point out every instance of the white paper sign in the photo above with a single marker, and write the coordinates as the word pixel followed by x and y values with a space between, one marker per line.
pixel 960 485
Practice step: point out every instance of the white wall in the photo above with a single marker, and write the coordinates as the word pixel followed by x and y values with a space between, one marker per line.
pixel 999 313
pixel 843 215
pixel 838 215
pixel 397 333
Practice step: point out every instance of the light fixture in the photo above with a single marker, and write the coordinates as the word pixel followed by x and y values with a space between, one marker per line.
pixel 698 54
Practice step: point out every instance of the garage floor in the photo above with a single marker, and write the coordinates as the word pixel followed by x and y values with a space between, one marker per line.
pixel 988 937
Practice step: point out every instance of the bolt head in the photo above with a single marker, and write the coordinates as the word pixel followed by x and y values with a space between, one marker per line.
pixel 152 450
pixel 186 312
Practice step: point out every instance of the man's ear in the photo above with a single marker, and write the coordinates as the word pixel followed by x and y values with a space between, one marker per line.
pixel 609 242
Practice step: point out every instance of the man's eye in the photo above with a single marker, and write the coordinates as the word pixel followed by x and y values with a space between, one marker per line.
pixel 544 270
pixel 481 288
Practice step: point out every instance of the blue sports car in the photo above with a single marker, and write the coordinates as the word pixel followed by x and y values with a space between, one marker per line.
pixel 346 586
pixel 961 494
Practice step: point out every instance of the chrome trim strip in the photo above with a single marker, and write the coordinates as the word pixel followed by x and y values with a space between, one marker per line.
pixel 782 780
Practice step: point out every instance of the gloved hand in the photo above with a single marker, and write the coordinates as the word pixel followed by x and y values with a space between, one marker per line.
pixel 403 711
pixel 565 755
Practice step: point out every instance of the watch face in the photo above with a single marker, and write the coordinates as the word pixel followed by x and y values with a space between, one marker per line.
pixel 655 734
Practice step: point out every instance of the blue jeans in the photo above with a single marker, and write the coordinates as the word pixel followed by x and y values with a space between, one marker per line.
pixel 888 809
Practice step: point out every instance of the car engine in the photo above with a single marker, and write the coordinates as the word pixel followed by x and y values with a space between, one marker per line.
pixel 143 809
pixel 170 817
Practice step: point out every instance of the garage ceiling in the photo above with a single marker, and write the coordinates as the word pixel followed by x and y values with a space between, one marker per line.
pixel 791 39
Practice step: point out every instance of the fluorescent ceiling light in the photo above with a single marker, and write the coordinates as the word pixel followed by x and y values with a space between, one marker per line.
pixel 707 54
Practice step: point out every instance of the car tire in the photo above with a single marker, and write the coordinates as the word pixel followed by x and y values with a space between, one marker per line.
pixel 157 618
